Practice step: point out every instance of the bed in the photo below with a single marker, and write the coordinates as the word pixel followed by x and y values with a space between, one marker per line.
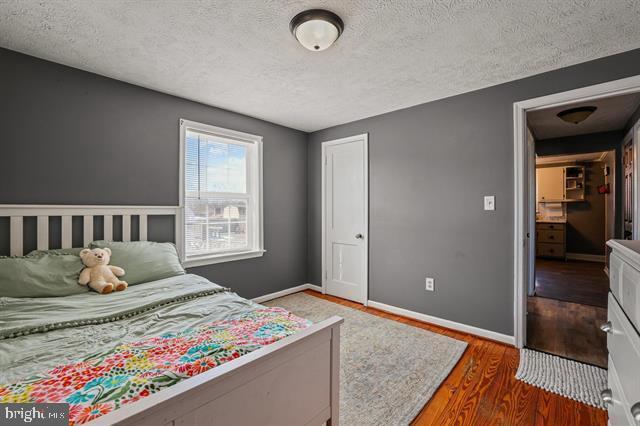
pixel 175 351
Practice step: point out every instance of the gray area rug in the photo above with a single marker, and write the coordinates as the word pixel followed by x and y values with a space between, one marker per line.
pixel 388 370
pixel 571 379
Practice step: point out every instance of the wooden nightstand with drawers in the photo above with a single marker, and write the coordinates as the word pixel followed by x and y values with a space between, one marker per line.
pixel 551 239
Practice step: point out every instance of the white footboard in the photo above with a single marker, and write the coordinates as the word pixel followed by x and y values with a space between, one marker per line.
pixel 294 381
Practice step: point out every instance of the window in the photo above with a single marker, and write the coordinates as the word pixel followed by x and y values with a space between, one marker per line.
pixel 221 194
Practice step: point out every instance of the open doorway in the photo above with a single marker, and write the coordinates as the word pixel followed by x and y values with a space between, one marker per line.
pixel 580 182
pixel 569 297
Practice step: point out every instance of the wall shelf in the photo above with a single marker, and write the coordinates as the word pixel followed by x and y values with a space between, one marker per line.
pixel 561 184
pixel 574 183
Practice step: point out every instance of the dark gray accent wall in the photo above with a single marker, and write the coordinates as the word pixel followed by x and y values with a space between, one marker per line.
pixel 430 166
pixel 586 220
pixel 592 142
pixel 73 137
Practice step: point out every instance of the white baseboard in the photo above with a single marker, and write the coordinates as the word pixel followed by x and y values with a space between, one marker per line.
pixel 286 292
pixel 586 257
pixel 317 288
pixel 444 323
pixel 400 311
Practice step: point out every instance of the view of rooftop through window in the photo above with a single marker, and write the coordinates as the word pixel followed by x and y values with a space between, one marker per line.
pixel 216 194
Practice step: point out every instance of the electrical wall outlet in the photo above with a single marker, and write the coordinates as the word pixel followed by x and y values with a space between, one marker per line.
pixel 430 284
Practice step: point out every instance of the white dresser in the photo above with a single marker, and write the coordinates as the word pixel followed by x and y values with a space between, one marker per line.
pixel 623 336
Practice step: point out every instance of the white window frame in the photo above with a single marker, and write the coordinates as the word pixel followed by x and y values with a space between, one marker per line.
pixel 254 182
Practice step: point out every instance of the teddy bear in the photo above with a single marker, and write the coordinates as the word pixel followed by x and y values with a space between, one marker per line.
pixel 100 276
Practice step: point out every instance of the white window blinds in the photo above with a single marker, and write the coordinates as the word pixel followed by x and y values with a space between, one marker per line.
pixel 220 195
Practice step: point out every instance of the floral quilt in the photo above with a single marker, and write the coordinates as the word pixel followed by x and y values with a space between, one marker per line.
pixel 106 381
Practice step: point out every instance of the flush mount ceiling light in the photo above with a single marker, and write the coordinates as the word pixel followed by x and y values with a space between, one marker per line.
pixel 576 115
pixel 316 29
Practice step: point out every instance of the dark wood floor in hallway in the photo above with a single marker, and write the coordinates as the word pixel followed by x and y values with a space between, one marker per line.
pixel 482 389
pixel 572 281
pixel 567 329
pixel 570 305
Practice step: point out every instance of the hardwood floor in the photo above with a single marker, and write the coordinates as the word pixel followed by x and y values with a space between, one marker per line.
pixel 482 389
pixel 567 329
pixel 572 281
pixel 569 305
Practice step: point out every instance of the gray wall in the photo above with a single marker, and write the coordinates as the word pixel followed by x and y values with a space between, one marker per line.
pixel 592 142
pixel 586 220
pixel 430 166
pixel 72 137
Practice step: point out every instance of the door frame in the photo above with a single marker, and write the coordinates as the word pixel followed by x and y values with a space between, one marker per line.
pixel 365 138
pixel 521 163
pixel 631 135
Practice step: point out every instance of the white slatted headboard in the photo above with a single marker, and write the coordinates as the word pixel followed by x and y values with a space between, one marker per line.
pixel 17 213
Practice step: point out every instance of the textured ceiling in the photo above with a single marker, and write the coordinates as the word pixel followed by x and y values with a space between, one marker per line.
pixel 239 55
pixel 612 114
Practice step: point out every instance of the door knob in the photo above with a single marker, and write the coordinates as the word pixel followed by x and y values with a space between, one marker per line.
pixel 360 236
pixel 607 327
pixel 635 412
pixel 607 396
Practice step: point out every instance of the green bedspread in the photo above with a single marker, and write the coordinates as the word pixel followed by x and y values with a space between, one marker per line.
pixel 39 334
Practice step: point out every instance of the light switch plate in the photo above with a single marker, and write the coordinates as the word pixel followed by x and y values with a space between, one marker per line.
pixel 489 202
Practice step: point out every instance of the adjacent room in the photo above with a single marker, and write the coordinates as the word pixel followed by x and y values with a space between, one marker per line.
pixel 582 192
pixel 319 213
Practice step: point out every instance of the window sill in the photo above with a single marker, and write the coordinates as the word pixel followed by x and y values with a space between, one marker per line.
pixel 220 258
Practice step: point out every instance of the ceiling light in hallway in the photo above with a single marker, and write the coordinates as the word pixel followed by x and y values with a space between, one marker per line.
pixel 576 115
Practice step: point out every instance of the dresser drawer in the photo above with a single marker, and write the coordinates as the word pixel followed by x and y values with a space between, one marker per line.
pixel 629 293
pixel 624 281
pixel 549 250
pixel 619 409
pixel 615 275
pixel 550 236
pixel 623 343
pixel 551 226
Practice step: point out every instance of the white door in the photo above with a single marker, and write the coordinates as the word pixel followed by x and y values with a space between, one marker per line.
pixel 345 218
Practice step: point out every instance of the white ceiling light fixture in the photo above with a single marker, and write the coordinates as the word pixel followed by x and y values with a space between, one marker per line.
pixel 316 29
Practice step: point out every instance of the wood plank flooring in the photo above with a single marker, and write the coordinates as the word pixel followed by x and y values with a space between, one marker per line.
pixel 482 389
pixel 569 305
pixel 572 281
pixel 567 329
